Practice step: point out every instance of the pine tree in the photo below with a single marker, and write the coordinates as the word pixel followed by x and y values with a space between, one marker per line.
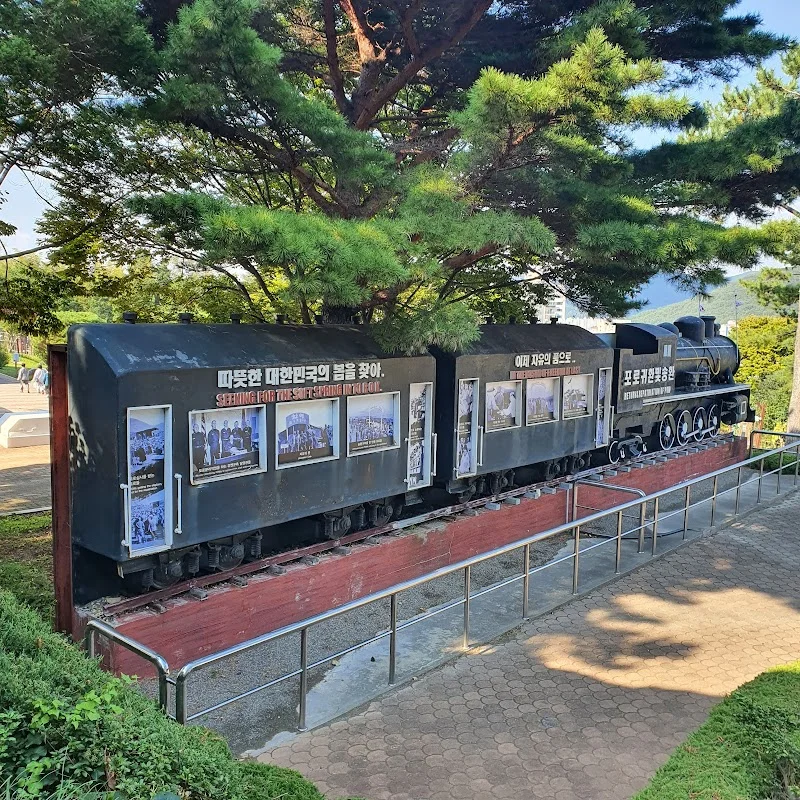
pixel 416 164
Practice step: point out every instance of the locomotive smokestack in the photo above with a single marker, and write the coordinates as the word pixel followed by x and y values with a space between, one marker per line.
pixel 129 317
pixel 318 319
pixel 709 326
pixel 280 319
pixel 236 319
pixel 185 319
pixel 554 320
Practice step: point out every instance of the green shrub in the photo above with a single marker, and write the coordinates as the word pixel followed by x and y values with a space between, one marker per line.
pixel 69 730
pixel 749 749
pixel 5 357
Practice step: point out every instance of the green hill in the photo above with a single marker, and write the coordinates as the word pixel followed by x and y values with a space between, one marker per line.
pixel 719 304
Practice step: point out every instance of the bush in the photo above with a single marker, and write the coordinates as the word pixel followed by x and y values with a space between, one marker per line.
pixel 748 749
pixel 68 730
pixel 5 357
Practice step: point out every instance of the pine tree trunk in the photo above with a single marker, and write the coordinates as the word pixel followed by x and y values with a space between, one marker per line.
pixel 793 423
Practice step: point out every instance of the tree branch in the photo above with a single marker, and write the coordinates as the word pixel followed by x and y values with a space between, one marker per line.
pixel 337 80
pixel 378 98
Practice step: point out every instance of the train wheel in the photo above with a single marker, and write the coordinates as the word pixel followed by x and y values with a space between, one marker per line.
pixel 552 469
pixel 713 421
pixel 683 430
pixel 667 431
pixel 577 464
pixel 699 423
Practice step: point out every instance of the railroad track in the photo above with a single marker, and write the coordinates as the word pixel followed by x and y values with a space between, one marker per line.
pixel 198 584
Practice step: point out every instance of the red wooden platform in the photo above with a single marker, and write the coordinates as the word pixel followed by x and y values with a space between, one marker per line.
pixel 189 628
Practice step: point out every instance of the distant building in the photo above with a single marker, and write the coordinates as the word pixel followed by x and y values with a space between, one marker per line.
pixel 556 307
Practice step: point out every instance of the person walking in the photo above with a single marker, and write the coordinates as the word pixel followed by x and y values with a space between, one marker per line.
pixel 37 379
pixel 24 379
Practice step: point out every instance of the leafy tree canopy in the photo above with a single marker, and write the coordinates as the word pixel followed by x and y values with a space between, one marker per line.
pixel 410 163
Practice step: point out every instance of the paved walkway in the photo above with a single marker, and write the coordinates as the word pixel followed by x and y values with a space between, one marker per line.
pixel 24 471
pixel 585 702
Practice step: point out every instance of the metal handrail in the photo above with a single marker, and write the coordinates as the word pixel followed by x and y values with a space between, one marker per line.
pixel 302 627
pixel 95 626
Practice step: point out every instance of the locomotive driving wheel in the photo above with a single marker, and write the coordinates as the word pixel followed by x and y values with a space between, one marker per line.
pixel 699 423
pixel 683 430
pixel 667 432
pixel 713 421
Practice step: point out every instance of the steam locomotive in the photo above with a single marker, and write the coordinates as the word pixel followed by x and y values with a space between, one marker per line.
pixel 196 447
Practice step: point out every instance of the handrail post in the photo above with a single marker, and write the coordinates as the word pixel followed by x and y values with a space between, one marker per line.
pixel 780 470
pixel 655 525
pixel 618 556
pixel 687 506
pixel 180 699
pixel 642 521
pixel 714 501
pixel 467 581
pixel 796 462
pixel 526 580
pixel 90 646
pixel 760 479
pixel 576 558
pixel 301 722
pixel 393 640
pixel 577 534
pixel 738 491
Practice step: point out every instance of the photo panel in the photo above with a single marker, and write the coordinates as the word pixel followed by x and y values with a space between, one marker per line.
pixel 420 419
pixel 373 423
pixel 226 443
pixel 542 400
pixel 467 428
pixel 503 403
pixel 149 511
pixel 576 396
pixel 306 432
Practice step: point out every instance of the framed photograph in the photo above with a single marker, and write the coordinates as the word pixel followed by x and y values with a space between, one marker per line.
pixel 373 422
pixel 226 443
pixel 603 429
pixel 576 396
pixel 542 400
pixel 306 432
pixel 503 403
pixel 149 513
pixel 467 428
pixel 420 417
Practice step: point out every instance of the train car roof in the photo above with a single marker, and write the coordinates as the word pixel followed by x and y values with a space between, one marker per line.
pixel 498 339
pixel 144 347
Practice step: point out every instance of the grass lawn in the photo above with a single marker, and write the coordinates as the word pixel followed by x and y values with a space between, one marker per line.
pixel 26 560
pixel 10 370
pixel 749 749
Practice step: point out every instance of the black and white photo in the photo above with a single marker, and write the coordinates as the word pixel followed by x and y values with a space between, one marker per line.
pixel 466 457
pixel 372 423
pixel 502 405
pixel 226 442
pixel 541 400
pixel 306 432
pixel 419 437
pixel 576 396
pixel 147 455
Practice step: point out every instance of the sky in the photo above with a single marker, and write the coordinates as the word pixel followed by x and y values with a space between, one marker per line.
pixel 24 203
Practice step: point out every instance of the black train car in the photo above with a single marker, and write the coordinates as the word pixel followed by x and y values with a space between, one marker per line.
pixel 522 395
pixel 189 440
